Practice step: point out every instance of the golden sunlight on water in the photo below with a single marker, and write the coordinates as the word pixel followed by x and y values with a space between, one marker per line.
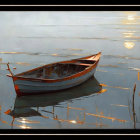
pixel 24 126
pixel 120 105
pixel 131 19
pixel 106 117
pixel 129 45
pixel 128 34
pixel 124 88
pixel 11 52
pixel 23 63
pixel 24 120
pixel 73 121
pixel 102 91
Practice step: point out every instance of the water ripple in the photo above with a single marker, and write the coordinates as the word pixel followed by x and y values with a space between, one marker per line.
pixel 123 57
pixel 61 37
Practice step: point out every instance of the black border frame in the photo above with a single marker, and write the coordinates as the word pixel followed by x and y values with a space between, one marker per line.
pixel 69 7
pixel 62 7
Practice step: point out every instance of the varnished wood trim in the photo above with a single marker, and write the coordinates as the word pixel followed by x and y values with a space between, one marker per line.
pixel 19 76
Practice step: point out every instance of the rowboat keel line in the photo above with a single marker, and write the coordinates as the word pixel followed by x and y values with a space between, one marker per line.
pixel 55 76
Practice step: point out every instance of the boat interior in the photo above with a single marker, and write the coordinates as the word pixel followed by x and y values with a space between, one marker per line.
pixel 60 70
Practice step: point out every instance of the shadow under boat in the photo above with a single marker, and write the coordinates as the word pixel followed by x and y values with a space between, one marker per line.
pixel 23 105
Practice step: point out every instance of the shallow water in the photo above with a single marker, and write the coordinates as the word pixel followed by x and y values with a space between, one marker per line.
pixel 32 39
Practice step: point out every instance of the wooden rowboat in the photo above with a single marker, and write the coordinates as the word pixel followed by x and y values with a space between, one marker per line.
pixel 56 76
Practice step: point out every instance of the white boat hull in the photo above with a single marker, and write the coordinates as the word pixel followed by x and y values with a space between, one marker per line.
pixel 34 87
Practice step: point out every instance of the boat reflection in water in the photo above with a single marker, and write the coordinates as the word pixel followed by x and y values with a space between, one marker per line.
pixel 23 105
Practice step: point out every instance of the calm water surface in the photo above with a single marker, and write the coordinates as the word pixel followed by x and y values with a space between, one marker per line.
pixel 32 39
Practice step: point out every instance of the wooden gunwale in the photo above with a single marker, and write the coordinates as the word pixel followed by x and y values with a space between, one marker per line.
pixel 88 69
